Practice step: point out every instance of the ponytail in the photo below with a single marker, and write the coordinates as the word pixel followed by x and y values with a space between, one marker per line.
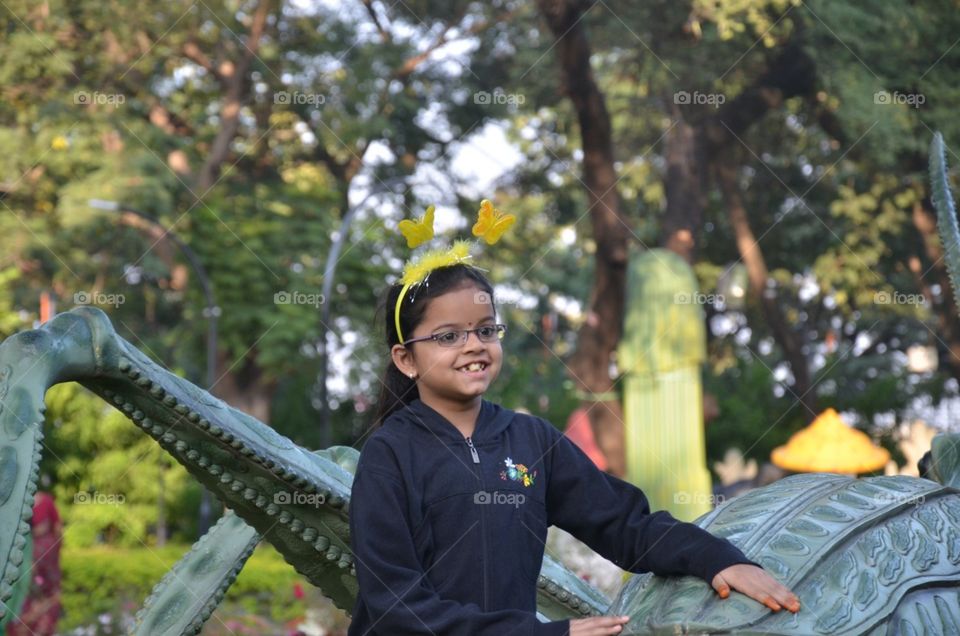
pixel 396 391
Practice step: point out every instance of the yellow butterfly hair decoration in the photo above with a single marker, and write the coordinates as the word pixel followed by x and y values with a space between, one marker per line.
pixel 419 231
pixel 415 271
pixel 490 225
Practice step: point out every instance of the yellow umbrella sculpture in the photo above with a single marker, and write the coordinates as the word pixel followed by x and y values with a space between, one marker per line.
pixel 828 445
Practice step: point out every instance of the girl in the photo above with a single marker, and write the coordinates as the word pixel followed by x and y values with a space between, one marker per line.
pixel 453 494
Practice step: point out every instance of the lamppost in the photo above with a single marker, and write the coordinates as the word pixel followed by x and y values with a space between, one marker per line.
pixel 329 271
pixel 210 312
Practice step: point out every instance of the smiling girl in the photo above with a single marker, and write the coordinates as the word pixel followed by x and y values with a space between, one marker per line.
pixel 453 494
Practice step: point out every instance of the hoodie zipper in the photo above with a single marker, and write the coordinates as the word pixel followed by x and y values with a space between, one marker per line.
pixel 483 526
pixel 473 451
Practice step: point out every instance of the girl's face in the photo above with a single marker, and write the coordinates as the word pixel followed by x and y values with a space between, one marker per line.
pixel 440 372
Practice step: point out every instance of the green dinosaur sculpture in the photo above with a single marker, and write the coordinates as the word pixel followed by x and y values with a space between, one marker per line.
pixel 295 499
pixel 866 556
pixel 871 556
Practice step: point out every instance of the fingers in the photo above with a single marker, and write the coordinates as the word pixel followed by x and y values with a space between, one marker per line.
pixel 721 586
pixel 770 602
pixel 783 597
pixel 776 602
pixel 790 601
pixel 598 625
pixel 760 586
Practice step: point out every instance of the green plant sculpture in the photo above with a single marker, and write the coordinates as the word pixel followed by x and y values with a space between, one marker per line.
pixel 661 352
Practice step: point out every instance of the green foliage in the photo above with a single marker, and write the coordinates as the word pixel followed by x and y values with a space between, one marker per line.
pixel 734 17
pixel 751 417
pixel 109 478
pixel 101 580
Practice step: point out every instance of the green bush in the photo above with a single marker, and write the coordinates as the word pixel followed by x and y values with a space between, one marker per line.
pixel 114 581
pixel 108 477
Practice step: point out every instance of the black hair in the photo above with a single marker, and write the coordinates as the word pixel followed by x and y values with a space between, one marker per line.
pixel 396 389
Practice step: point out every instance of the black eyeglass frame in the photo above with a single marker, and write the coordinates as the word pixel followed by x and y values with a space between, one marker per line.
pixel 501 331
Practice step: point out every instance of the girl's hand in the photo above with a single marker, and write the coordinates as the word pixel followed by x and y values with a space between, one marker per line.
pixel 598 625
pixel 757 584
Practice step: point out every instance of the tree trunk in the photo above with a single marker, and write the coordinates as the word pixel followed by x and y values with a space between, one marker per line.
pixel 684 189
pixel 790 74
pixel 233 76
pixel 752 256
pixel 240 384
pixel 600 333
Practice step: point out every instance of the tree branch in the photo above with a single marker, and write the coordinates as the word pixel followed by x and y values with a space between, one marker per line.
pixel 413 62
pixel 192 51
pixel 235 77
pixel 384 33
pixel 725 170
pixel 600 333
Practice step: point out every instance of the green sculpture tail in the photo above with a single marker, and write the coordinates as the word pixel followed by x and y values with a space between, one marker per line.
pixel 187 595
pixel 946 211
pixel 945 454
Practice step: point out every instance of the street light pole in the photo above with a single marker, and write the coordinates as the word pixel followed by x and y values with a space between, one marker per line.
pixel 329 271
pixel 210 312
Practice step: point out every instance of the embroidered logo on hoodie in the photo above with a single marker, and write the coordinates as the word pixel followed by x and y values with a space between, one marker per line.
pixel 517 472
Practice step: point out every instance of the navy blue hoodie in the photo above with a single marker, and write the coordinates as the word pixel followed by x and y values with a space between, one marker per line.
pixel 448 532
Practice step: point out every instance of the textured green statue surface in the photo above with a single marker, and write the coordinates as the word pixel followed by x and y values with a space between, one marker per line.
pixel 871 556
pixel 865 556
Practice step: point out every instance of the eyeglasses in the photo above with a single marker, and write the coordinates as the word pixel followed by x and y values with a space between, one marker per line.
pixel 486 333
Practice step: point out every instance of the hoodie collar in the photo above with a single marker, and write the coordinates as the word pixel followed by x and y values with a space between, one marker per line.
pixel 493 419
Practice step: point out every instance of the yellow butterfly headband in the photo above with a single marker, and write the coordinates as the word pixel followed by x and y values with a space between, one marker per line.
pixel 490 226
